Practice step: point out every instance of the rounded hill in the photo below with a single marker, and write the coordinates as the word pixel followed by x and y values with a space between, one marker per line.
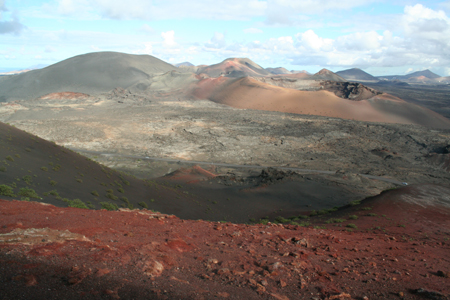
pixel 88 73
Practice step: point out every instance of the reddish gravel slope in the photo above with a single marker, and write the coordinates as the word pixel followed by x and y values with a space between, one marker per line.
pixel 84 254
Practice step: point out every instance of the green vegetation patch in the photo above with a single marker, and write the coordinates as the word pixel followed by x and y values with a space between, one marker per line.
pixel 143 204
pixel 6 190
pixel 330 221
pixel 27 192
pixel 76 203
pixel 109 206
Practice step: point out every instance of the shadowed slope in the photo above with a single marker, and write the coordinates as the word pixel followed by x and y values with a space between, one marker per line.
pixel 57 175
pixel 89 73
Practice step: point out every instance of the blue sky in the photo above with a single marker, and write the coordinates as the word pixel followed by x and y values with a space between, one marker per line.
pixel 378 36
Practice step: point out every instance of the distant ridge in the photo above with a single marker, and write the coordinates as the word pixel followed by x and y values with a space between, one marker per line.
pixel 90 73
pixel 356 74
pixel 325 74
pixel 278 71
pixel 184 64
pixel 426 73
pixel 234 67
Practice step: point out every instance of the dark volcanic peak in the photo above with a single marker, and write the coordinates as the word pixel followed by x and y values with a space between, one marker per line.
pixel 356 74
pixel 90 73
pixel 426 73
pixel 234 67
pixel 326 74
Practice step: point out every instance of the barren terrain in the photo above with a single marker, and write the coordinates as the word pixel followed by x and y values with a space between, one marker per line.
pixel 344 188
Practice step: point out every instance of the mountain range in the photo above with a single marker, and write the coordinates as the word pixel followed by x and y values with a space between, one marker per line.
pixel 233 82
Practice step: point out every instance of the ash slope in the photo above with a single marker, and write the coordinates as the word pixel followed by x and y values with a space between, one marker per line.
pixel 248 93
pixel 90 73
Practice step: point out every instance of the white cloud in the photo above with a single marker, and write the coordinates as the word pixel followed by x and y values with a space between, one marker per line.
pixel 253 30
pixel 216 42
pixel 13 25
pixel 422 22
pixel 359 41
pixel 168 38
pixel 311 40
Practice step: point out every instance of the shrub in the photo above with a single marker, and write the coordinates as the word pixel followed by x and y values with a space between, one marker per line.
pixel 28 149
pixel 143 204
pixel 79 180
pixel 282 220
pixel 45 169
pixel 27 192
pixel 52 182
pixel 353 217
pixel 121 190
pixel 6 190
pixel 3 169
pixel 95 193
pixel 329 221
pixel 10 158
pixel 109 206
pixel 351 225
pixel 27 179
pixel 372 215
pixel 25 199
pixel 56 168
pixel 366 208
pixel 356 202
pixel 54 193
pixel 76 203
pixel 17 155
pixel 110 195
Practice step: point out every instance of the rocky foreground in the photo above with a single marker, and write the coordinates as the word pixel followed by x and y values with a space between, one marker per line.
pixel 47 252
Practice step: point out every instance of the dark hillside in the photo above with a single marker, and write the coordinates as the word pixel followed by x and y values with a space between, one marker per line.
pixel 34 169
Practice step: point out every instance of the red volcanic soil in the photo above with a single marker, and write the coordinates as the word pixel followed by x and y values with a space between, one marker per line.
pixel 47 252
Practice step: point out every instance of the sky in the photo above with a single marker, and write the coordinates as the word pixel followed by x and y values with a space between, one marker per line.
pixel 382 37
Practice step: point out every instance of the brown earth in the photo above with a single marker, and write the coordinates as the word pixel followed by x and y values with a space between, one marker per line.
pixel 48 252
pixel 248 93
